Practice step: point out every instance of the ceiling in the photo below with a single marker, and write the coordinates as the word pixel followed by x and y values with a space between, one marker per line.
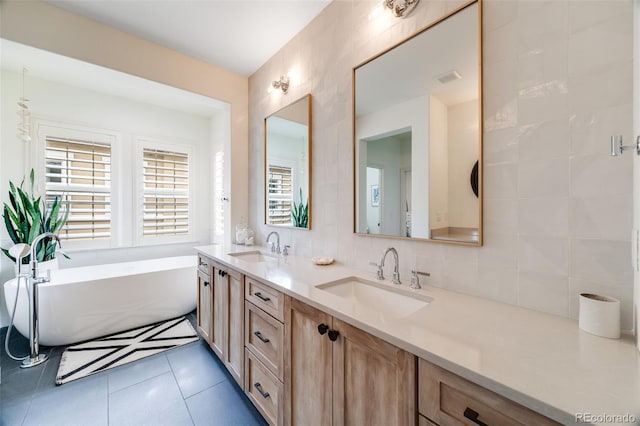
pixel 238 35
pixel 412 69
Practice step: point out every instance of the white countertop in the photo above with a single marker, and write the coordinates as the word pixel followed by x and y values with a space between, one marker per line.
pixel 544 362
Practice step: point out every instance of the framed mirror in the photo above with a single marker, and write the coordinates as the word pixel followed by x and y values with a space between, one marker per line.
pixel 418 134
pixel 287 166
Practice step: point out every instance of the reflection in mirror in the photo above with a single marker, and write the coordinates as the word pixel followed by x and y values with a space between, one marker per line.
pixel 288 166
pixel 417 135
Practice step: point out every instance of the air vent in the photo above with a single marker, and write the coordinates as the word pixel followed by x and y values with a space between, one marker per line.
pixel 449 77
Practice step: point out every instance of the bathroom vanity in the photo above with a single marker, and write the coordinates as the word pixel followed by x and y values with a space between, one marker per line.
pixel 330 345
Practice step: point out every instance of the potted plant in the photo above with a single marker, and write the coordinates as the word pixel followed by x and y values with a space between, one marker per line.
pixel 27 216
pixel 300 213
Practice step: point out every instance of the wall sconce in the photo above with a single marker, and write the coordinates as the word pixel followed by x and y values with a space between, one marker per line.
pixel 282 84
pixel 401 8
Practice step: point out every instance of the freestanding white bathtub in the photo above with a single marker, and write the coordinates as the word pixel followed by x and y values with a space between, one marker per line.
pixel 92 301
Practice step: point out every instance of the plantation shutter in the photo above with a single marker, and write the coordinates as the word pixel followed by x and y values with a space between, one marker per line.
pixel 165 192
pixel 279 195
pixel 79 174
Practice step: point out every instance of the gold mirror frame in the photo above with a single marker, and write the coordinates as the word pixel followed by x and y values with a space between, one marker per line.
pixel 478 170
pixel 289 114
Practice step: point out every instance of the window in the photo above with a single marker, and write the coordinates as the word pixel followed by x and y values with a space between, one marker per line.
pixel 79 173
pixel 165 192
pixel 279 195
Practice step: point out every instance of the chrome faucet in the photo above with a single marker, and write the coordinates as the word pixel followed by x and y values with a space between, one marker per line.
pixel 274 248
pixel 34 262
pixel 396 273
pixel 35 358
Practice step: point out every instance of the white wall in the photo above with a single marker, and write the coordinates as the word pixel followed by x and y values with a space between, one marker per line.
pixel 463 154
pixel 557 83
pixel 438 164
pixel 413 115
pixel 64 104
pixel 636 162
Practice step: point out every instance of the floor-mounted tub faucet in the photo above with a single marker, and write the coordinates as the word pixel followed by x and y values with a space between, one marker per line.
pixel 35 358
pixel 275 248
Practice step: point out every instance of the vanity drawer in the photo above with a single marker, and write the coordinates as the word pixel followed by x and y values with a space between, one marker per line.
pixel 423 421
pixel 448 399
pixel 264 297
pixel 264 337
pixel 204 264
pixel 264 389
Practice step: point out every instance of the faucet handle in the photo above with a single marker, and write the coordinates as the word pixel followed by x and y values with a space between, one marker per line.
pixel 285 251
pixel 415 279
pixel 396 278
pixel 379 273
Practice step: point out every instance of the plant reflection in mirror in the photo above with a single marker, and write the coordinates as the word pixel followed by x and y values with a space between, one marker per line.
pixel 300 213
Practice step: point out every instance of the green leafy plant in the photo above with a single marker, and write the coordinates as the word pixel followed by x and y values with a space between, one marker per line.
pixel 300 213
pixel 27 216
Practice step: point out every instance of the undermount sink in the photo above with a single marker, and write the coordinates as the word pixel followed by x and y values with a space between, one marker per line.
pixel 369 295
pixel 254 256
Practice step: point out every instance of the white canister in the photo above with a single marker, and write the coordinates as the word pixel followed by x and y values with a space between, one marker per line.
pixel 599 315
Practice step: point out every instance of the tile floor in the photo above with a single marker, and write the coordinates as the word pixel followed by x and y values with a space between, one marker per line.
pixel 183 386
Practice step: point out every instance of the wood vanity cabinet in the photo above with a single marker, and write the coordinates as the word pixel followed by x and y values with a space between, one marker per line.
pixel 264 343
pixel 337 374
pixel 221 313
pixel 447 399
pixel 205 298
pixel 233 356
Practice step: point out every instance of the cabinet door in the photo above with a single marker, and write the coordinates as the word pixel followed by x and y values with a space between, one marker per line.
pixel 204 306
pixel 234 358
pixel 219 310
pixel 307 366
pixel 374 382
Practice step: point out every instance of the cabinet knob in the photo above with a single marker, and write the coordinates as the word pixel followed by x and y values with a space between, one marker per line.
pixel 259 387
pixel 323 328
pixel 206 283
pixel 222 273
pixel 473 416
pixel 333 335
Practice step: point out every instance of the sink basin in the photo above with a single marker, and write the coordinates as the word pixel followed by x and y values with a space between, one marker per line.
pixel 254 256
pixel 370 296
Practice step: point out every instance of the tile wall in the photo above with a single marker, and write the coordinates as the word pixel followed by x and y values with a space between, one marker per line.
pixel 558 208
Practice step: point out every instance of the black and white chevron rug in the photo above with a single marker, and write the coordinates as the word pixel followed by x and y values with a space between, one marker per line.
pixel 111 351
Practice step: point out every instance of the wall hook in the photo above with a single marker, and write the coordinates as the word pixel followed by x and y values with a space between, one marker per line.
pixel 617 148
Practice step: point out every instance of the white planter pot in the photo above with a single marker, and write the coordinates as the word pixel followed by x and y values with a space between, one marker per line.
pixel 599 315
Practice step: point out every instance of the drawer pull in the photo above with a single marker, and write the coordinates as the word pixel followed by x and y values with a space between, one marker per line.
pixel 473 416
pixel 259 336
pixel 333 335
pixel 261 297
pixel 323 328
pixel 202 263
pixel 259 387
